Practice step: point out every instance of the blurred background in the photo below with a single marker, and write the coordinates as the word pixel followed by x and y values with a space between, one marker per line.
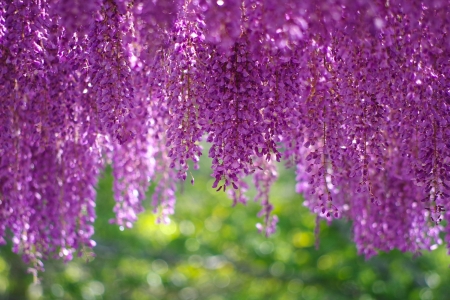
pixel 213 251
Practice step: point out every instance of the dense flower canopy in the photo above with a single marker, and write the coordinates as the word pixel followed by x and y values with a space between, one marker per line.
pixel 354 94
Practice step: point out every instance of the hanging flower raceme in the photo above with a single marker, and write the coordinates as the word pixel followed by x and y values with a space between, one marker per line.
pixel 354 95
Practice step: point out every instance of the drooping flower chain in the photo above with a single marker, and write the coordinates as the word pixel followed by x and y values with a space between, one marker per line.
pixel 354 95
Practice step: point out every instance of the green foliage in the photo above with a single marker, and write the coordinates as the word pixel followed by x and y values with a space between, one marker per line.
pixel 213 251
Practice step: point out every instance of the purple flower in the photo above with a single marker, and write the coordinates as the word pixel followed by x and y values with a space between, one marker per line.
pixel 353 94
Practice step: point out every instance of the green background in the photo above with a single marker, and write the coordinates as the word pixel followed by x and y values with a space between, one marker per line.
pixel 213 251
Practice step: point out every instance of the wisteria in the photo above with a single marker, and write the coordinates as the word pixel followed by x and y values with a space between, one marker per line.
pixel 354 95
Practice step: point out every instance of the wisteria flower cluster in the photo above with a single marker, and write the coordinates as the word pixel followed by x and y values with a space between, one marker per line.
pixel 354 94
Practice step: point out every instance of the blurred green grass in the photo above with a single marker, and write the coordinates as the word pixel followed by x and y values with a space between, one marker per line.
pixel 211 250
